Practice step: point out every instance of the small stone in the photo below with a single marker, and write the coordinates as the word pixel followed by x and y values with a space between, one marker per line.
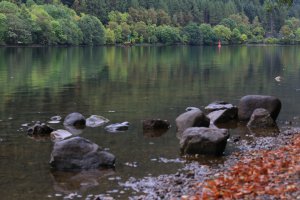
pixel 96 120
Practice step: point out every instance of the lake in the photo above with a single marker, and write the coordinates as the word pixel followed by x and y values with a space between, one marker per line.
pixel 124 84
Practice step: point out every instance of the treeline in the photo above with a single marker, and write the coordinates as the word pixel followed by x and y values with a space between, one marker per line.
pixel 195 22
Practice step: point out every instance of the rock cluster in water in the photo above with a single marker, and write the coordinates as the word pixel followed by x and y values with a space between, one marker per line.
pixel 199 133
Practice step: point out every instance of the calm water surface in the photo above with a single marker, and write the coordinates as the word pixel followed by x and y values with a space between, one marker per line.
pixel 123 84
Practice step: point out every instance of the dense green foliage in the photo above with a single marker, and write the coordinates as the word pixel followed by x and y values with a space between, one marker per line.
pixel 194 22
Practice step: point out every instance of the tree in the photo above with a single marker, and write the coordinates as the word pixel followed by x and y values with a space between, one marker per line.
pixel 110 36
pixel 43 32
pixel 208 34
pixel 297 35
pixel 167 34
pixel 8 8
pixel 163 18
pixel 192 30
pixel 141 29
pixel 257 29
pixel 230 23
pixel 222 33
pixel 92 30
pixel 236 36
pixel 3 27
pixel 17 31
pixel 73 34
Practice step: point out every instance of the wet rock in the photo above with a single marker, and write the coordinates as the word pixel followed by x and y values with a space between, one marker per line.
pixel 192 118
pixel 249 103
pixel 79 153
pixel 117 127
pixel 59 135
pixel 39 129
pixel 223 116
pixel 200 140
pixel 75 119
pixel 219 105
pixel 261 118
pixel 155 124
pixel 96 120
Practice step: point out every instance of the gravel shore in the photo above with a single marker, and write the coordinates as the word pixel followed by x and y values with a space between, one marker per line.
pixel 182 184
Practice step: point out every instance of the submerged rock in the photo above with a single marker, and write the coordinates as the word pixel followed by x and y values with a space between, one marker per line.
pixel 200 140
pixel 155 124
pixel 39 129
pixel 249 103
pixel 79 153
pixel 75 119
pixel 192 118
pixel 96 120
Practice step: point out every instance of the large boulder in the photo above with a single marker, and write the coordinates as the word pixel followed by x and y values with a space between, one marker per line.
pixel 201 140
pixel 79 153
pixel 192 118
pixel 75 119
pixel 261 118
pixel 249 103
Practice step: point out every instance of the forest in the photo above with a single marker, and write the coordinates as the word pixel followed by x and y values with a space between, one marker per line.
pixel 127 22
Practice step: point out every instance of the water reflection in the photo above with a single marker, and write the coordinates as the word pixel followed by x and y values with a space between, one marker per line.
pixel 71 182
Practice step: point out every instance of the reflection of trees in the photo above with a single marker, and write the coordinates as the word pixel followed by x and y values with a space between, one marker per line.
pixel 55 78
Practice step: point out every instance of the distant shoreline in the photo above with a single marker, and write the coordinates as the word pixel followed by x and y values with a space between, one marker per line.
pixel 143 45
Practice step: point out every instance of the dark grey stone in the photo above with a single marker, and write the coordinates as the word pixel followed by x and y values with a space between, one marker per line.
pixel 249 103
pixel 261 118
pixel 155 124
pixel 192 118
pixel 39 129
pixel 75 119
pixel 79 153
pixel 201 140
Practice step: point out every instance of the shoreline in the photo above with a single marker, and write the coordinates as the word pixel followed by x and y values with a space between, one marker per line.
pixel 182 184
pixel 143 45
